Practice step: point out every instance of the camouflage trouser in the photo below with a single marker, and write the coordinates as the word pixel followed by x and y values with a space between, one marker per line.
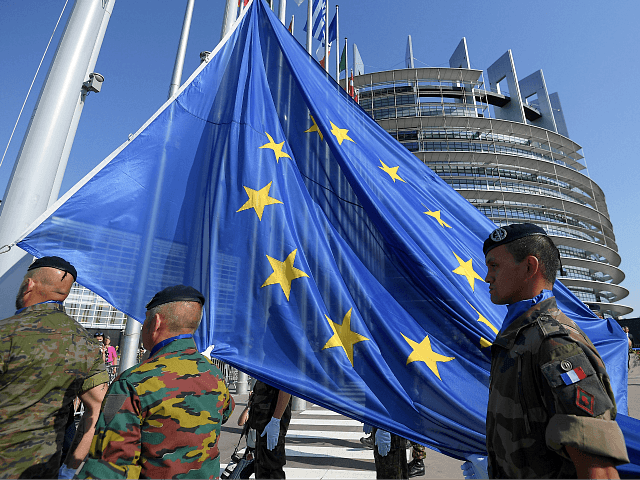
pixel 418 451
pixel 394 463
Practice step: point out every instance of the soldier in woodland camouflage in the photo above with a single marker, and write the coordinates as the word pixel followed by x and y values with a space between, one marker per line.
pixel 551 411
pixel 46 360
pixel 162 417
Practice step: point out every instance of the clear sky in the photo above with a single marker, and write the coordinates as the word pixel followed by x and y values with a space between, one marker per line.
pixel 587 50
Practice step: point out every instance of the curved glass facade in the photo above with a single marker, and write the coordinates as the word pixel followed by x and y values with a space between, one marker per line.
pixel 512 171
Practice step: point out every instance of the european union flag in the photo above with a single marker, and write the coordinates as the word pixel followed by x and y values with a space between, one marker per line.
pixel 336 265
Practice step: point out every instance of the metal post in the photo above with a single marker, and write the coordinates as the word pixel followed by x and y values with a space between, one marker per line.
pixel 326 39
pixel 130 346
pixel 29 189
pixel 176 78
pixel 298 404
pixel 309 25
pixel 346 66
pixel 293 17
pixel 55 191
pixel 242 387
pixel 230 11
pixel 337 47
pixel 282 10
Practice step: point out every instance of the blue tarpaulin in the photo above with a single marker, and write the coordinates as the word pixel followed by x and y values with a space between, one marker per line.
pixel 336 265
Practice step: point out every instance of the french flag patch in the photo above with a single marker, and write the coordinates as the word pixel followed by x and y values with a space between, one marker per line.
pixel 573 376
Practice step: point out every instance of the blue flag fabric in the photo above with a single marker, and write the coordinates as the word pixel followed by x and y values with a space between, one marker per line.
pixel 335 264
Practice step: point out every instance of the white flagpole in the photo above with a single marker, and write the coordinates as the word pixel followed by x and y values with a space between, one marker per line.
pixel 326 37
pixel 337 47
pixel 346 66
pixel 309 25
pixel 230 11
pixel 293 17
pixel 282 10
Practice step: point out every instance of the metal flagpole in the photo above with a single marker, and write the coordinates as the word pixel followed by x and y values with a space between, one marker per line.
pixel 293 17
pixel 337 47
pixel 33 177
pixel 230 11
pixel 346 66
pixel 282 10
pixel 178 66
pixel 309 25
pixel 133 327
pixel 91 84
pixel 326 37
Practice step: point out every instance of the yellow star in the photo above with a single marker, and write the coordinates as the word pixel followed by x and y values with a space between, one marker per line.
pixel 436 215
pixel 284 273
pixel 340 133
pixel 392 171
pixel 484 342
pixel 343 336
pixel 276 147
pixel 422 352
pixel 258 199
pixel 466 270
pixel 314 128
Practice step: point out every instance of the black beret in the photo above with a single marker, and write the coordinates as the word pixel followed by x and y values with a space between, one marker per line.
pixel 177 293
pixel 508 234
pixel 54 262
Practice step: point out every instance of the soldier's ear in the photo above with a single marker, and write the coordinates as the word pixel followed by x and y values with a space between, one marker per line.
pixel 533 266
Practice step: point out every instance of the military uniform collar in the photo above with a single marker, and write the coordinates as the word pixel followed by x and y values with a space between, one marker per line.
pixel 507 337
pixel 48 305
pixel 175 345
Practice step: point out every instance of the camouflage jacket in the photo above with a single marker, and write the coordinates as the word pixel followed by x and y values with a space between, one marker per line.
pixel 46 359
pixel 162 418
pixel 548 389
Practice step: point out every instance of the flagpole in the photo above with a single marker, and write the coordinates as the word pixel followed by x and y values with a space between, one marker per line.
pixel 293 17
pixel 178 66
pixel 282 10
pixel 230 11
pixel 309 25
pixel 337 47
pixel 326 38
pixel 346 66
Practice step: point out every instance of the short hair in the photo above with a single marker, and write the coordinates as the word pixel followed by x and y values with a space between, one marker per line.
pixel 180 316
pixel 543 249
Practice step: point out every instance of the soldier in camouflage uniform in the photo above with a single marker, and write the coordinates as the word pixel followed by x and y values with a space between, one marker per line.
pixel 46 360
pixel 551 410
pixel 416 465
pixel 162 417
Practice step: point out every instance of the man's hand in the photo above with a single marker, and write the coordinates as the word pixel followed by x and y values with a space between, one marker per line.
pixel 591 466
pixel 475 467
pixel 383 442
pixel 272 430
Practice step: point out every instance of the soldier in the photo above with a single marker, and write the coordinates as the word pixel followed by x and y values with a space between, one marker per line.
pixel 46 360
pixel 551 411
pixel 270 416
pixel 390 455
pixel 162 417
pixel 416 465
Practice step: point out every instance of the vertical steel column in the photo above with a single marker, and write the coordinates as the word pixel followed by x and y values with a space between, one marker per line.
pixel 34 173
pixel 230 11
pixel 176 78
pixel 309 25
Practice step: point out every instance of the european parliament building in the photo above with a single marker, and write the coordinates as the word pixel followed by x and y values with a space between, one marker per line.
pixel 503 144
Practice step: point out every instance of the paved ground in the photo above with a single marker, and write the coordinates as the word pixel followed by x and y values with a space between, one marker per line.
pixel 324 445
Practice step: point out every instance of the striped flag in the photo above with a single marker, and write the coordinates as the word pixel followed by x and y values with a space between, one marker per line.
pixel 317 30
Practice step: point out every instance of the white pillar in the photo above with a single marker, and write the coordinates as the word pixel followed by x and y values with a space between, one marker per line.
pixel 34 173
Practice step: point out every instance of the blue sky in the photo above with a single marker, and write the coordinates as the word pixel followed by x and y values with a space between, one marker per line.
pixel 587 51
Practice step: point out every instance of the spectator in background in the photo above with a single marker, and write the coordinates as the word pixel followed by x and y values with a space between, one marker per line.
pixel 111 354
pixel 99 337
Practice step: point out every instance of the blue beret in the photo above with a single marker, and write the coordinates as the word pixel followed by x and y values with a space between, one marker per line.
pixel 177 293
pixel 508 234
pixel 54 262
